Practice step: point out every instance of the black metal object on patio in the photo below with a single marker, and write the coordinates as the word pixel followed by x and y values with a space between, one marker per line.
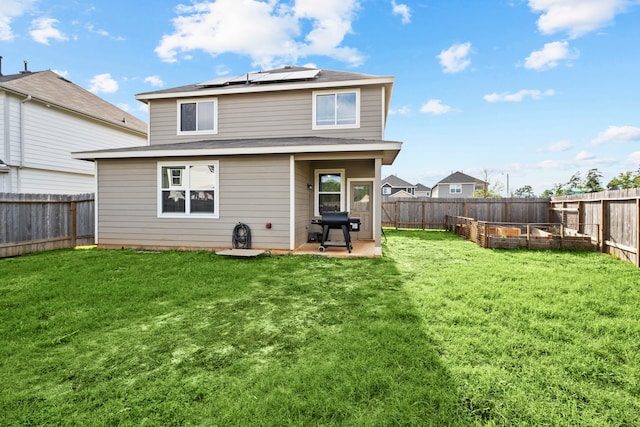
pixel 338 221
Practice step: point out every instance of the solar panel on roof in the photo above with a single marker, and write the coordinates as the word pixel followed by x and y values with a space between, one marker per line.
pixel 219 81
pixel 286 76
pixel 260 77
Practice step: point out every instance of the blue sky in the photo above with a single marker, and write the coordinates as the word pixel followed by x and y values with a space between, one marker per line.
pixel 533 90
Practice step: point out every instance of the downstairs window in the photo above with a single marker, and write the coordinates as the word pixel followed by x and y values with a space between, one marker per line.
pixel 188 189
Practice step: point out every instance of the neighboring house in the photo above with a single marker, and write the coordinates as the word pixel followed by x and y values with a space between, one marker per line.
pixel 401 194
pixel 392 184
pixel 457 184
pixel 270 149
pixel 43 118
pixel 422 190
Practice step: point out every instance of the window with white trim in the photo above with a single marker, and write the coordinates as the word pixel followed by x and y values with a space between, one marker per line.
pixel 455 188
pixel 329 191
pixel 336 109
pixel 386 190
pixel 188 189
pixel 197 116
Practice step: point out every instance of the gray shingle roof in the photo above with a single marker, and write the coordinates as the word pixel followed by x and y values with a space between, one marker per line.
pixel 324 77
pixel 395 182
pixel 309 144
pixel 51 88
pixel 460 178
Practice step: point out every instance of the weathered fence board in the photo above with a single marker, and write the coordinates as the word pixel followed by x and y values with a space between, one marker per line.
pixel 430 213
pixel 617 214
pixel 36 222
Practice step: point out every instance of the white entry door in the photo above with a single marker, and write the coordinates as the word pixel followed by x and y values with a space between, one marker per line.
pixel 361 206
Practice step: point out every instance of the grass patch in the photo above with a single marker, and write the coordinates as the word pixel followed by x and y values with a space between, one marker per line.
pixel 121 337
pixel 530 337
pixel 439 332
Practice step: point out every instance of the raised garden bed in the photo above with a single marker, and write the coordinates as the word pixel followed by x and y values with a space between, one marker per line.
pixel 520 236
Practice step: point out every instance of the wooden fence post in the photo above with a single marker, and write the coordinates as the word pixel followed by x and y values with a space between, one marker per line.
pixel 73 221
pixel 638 232
pixel 397 212
pixel 604 225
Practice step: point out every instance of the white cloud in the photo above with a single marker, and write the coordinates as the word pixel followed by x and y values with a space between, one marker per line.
pixel 10 9
pixel 268 32
pixel 456 58
pixel 435 107
pixel 402 10
pixel 584 155
pixel 103 83
pixel 42 30
pixel 549 56
pixel 617 134
pixel 559 146
pixel 518 96
pixel 223 70
pixel 92 29
pixel 634 158
pixel 552 164
pixel 576 17
pixel 154 81
pixel 61 73
pixel 402 111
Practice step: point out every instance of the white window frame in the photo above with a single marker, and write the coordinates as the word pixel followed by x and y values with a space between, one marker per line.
pixel 316 186
pixel 355 125
pixel 179 104
pixel 185 187
pixel 458 188
pixel 386 190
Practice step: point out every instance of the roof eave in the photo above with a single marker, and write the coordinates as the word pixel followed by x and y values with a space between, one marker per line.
pixel 390 151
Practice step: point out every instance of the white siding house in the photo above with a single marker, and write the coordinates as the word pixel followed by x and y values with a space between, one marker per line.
pixel 43 118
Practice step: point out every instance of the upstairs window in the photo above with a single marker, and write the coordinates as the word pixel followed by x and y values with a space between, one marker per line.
pixel 339 109
pixel 188 189
pixel 455 188
pixel 197 116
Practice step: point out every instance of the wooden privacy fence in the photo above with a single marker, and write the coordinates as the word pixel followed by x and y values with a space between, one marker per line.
pixel 431 213
pixel 617 214
pixel 38 222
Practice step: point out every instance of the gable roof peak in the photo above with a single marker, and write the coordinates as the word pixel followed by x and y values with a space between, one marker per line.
pixel 460 178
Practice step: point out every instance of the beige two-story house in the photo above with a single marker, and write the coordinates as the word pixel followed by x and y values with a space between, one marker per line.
pixel 271 150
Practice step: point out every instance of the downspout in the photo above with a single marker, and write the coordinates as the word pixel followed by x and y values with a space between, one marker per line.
pixel 21 164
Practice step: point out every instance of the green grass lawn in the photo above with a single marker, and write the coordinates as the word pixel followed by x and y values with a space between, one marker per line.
pixel 438 332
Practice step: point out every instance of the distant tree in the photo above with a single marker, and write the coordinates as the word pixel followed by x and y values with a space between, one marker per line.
pixel 489 193
pixel 573 185
pixel 625 180
pixel 524 192
pixel 621 182
pixel 558 189
pixel 593 182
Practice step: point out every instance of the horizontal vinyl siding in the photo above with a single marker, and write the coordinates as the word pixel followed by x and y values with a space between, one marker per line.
pixel 54 182
pixel 261 115
pixel 253 190
pixel 4 112
pixel 51 135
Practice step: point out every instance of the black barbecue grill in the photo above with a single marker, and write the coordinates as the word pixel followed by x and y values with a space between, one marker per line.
pixel 338 221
